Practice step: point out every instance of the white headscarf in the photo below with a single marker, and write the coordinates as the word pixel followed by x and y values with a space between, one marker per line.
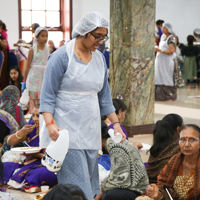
pixel 35 41
pixel 197 31
pixel 88 23
pixel 169 27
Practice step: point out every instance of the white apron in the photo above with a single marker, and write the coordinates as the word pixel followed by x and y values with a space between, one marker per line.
pixel 164 65
pixel 77 106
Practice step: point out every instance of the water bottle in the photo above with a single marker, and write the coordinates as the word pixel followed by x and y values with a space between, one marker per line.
pixel 56 151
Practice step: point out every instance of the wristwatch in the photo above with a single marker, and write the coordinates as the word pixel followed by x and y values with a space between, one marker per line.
pixel 162 50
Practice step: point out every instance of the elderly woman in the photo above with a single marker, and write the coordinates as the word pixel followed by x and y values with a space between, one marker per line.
pixel 164 66
pixel 75 93
pixel 181 175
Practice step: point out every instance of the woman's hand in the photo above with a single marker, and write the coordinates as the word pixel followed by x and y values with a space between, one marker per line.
pixel 138 145
pixel 27 129
pixel 153 191
pixel 117 128
pixel 157 49
pixel 53 131
pixel 35 155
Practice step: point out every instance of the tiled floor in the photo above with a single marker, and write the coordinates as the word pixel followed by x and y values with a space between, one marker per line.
pixel 188 108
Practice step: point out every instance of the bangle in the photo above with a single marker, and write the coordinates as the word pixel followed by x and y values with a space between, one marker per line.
pixel 52 122
pixel 18 136
pixel 115 123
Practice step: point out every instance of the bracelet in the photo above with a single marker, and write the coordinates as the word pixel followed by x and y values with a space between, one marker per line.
pixel 162 51
pixel 52 122
pixel 18 136
pixel 115 123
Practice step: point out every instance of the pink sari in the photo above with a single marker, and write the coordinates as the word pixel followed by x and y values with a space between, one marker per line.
pixel 5 35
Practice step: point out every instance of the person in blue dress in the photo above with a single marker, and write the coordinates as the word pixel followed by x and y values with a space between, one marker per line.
pixel 75 93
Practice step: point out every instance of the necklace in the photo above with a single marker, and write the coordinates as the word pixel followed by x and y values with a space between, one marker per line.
pixel 78 53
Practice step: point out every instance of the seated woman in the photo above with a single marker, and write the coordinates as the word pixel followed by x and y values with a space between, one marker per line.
pixel 165 144
pixel 3 193
pixel 8 102
pixel 182 173
pixel 128 177
pixel 120 110
pixel 65 191
pixel 31 174
pixel 8 125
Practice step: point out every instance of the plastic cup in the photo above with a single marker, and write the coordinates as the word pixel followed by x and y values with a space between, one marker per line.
pixel 44 189
pixel 116 138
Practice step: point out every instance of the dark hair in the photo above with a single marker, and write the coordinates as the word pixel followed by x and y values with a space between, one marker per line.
pixel 193 126
pixel 54 48
pixel 119 105
pixel 177 39
pixel 102 47
pixel 103 117
pixel 65 191
pixel 104 130
pixel 159 22
pixel 20 77
pixel 1 170
pixel 35 26
pixel 164 132
pixel 190 40
pixel 3 25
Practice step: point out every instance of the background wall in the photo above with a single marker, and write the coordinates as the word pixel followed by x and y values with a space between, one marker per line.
pixel 81 7
pixel 183 14
pixel 9 15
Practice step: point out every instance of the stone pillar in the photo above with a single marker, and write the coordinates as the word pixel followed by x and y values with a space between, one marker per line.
pixel 132 42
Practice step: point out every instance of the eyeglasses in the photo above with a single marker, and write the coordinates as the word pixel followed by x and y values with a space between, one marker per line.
pixel 99 39
pixel 190 140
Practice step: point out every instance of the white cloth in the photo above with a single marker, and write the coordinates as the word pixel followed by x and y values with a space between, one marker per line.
pixel 88 23
pixel 197 31
pixel 164 65
pixel 77 107
pixel 169 27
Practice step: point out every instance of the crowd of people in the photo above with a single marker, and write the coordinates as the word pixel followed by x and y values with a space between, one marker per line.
pixel 68 88
pixel 176 64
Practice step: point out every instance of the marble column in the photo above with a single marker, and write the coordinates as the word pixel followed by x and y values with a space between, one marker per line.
pixel 132 30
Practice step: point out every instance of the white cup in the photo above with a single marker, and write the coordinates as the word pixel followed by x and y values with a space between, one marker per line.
pixel 44 189
pixel 116 138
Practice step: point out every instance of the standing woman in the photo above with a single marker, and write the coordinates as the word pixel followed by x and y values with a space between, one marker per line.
pixel 190 51
pixel 165 89
pixel 4 46
pixel 75 93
